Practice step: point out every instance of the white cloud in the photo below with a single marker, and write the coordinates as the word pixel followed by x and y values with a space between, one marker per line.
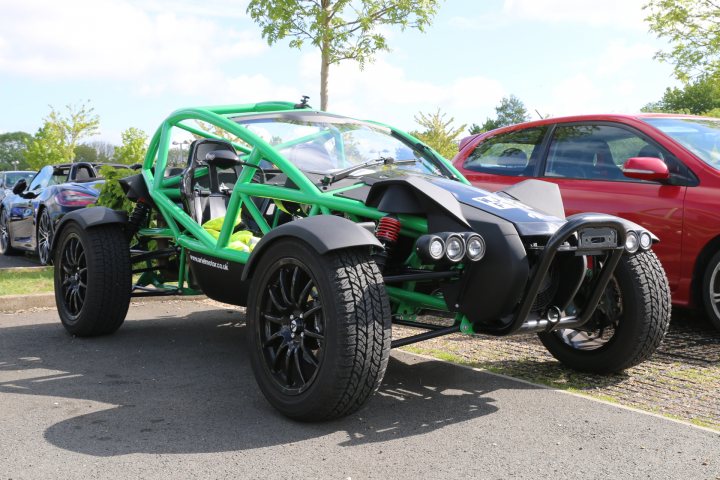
pixel 383 87
pixel 620 55
pixel 116 40
pixel 615 13
pixel 623 14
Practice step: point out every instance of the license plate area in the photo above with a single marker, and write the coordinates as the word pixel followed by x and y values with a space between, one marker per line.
pixel 597 238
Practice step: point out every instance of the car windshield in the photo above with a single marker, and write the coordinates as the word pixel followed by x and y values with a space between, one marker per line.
pixel 11 178
pixel 321 143
pixel 699 135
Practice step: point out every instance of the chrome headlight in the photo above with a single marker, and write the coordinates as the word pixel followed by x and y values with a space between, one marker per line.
pixel 454 246
pixel 430 248
pixel 632 242
pixel 645 241
pixel 474 246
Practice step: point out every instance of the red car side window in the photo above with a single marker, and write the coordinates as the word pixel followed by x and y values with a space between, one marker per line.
pixel 512 154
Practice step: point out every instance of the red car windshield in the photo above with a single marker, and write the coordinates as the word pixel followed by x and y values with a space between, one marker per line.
pixel 699 135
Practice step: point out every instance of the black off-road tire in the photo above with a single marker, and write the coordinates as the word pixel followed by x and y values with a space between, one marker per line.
pixel 344 369
pixel 92 279
pixel 711 290
pixel 5 247
pixel 641 327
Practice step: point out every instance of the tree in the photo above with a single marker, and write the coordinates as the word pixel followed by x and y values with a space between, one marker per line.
pixel 57 138
pixel 341 29
pixel 133 147
pixel 510 111
pixel 439 133
pixel 693 29
pixel 85 153
pixel 697 97
pixel 13 148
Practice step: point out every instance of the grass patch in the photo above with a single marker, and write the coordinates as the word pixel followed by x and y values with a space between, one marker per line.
pixel 25 282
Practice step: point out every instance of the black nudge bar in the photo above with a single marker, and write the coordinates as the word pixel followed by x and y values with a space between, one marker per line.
pixel 521 321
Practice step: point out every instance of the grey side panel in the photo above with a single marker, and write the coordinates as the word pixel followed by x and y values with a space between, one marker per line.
pixel 543 196
pixel 324 233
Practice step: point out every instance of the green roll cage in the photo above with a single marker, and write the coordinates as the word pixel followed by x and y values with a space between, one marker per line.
pixel 188 234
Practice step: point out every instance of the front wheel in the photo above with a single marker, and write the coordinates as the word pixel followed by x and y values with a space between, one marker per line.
pixel 711 290
pixel 628 325
pixel 5 245
pixel 92 279
pixel 44 237
pixel 318 330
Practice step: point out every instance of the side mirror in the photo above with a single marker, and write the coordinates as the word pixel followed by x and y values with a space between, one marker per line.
pixel 20 186
pixel 646 168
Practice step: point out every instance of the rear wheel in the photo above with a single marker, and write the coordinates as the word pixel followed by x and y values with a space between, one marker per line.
pixel 44 237
pixel 5 247
pixel 319 330
pixel 92 279
pixel 628 325
pixel 711 290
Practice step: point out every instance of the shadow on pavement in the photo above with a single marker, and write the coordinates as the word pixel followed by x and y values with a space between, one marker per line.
pixel 184 385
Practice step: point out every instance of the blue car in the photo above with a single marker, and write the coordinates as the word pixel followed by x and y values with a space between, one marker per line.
pixel 29 214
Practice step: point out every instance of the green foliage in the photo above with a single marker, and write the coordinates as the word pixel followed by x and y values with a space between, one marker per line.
pixel 133 148
pixel 111 193
pixel 56 140
pixel 510 111
pixel 438 132
pixel 85 153
pixel 13 148
pixel 475 129
pixel 693 29
pixel 341 29
pixel 697 98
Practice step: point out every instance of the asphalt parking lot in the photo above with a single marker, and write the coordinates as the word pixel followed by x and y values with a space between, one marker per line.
pixel 171 395
pixel 20 260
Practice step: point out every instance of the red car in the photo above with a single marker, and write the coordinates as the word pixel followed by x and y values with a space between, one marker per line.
pixel 661 171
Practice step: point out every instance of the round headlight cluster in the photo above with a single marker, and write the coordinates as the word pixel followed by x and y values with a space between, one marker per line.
pixel 634 241
pixel 645 240
pixel 450 246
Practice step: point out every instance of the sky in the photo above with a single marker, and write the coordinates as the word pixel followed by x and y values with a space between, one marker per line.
pixel 135 61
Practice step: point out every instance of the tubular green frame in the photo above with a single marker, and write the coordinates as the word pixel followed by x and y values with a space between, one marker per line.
pixel 190 235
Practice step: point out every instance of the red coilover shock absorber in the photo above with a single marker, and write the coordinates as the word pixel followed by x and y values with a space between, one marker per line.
pixel 388 232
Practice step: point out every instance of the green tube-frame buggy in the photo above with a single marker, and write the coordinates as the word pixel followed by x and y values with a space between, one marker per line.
pixel 330 229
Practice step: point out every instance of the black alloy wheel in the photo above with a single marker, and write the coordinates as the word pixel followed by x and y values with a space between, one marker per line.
pixel 5 247
pixel 44 238
pixel 292 327
pixel 73 275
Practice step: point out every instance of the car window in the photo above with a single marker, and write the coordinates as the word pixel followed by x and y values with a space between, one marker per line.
pixel 512 154
pixel 42 179
pixel 596 152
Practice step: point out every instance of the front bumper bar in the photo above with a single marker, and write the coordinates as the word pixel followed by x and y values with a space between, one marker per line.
pixel 524 320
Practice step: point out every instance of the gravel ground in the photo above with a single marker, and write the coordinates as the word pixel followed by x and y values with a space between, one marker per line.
pixel 682 379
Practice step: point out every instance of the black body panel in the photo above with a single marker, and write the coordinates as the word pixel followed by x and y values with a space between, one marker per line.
pixel 214 275
pixel 492 287
pixel 88 218
pixel 322 232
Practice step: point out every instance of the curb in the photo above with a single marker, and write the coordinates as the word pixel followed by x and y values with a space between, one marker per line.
pixel 14 303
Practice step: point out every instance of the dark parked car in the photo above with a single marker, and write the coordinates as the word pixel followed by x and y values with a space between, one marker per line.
pixel 9 178
pixel 661 171
pixel 29 214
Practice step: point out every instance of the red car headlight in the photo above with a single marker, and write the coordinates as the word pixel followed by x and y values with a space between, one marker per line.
pixel 73 198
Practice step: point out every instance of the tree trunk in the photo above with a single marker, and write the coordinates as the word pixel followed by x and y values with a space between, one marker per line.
pixel 324 71
pixel 325 53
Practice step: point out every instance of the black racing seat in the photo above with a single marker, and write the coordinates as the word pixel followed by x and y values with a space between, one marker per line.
pixel 203 197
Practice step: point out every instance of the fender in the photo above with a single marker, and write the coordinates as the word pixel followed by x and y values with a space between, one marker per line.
pixel 88 218
pixel 324 233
